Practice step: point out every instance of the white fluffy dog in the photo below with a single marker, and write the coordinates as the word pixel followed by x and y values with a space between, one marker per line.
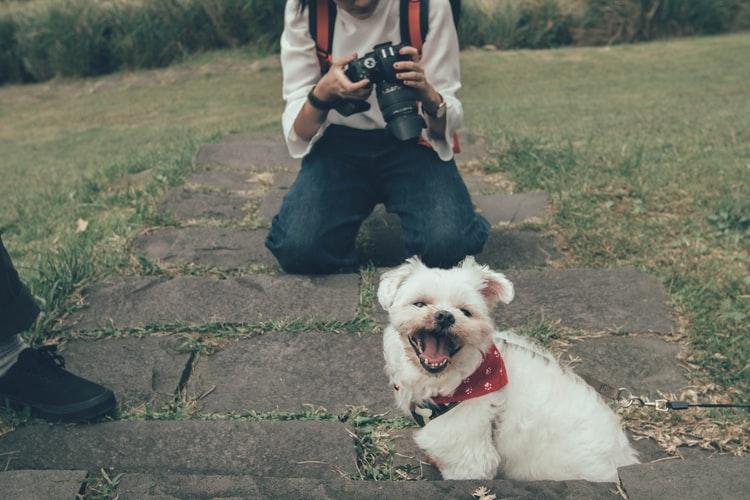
pixel 508 401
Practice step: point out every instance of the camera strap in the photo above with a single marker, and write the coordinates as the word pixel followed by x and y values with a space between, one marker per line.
pixel 322 19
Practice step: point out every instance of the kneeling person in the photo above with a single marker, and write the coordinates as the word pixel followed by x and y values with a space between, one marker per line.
pixel 351 163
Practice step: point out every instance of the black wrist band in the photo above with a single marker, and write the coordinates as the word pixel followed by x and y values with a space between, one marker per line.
pixel 317 103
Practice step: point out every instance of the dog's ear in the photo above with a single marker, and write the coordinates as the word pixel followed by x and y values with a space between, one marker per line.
pixel 392 280
pixel 495 286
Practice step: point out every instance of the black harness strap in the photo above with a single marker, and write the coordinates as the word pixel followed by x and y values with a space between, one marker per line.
pixel 423 413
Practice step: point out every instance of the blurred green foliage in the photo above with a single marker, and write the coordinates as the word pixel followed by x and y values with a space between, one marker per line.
pixel 43 38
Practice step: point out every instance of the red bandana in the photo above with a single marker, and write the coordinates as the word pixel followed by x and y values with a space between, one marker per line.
pixel 489 377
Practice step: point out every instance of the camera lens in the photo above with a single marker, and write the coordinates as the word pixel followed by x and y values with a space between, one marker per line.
pixel 399 107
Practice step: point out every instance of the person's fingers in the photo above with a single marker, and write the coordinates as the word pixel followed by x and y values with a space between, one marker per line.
pixel 362 93
pixel 410 51
pixel 414 76
pixel 408 66
pixel 419 86
pixel 359 85
pixel 344 60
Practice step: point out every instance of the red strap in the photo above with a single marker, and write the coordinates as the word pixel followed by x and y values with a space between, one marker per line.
pixel 321 35
pixel 415 28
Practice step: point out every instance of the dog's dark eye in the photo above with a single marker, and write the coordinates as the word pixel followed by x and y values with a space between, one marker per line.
pixel 466 312
pixel 420 304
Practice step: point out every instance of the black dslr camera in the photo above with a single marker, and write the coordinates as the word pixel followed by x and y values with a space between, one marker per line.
pixel 397 102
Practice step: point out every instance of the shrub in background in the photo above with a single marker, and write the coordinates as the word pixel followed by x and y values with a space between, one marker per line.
pixel 68 38
pixel 11 68
pixel 86 37
pixel 615 21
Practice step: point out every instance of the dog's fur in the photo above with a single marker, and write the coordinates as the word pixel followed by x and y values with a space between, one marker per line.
pixel 546 423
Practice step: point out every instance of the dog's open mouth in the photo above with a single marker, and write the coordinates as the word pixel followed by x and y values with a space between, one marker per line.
pixel 434 348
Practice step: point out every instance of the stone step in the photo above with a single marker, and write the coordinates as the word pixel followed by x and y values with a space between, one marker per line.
pixel 150 486
pixel 41 484
pixel 138 370
pixel 718 478
pixel 187 205
pixel 645 364
pixel 140 301
pixel 620 300
pixel 219 247
pixel 285 371
pixel 320 450
pixel 380 244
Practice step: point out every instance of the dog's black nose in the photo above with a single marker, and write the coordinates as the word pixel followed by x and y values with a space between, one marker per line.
pixel 444 319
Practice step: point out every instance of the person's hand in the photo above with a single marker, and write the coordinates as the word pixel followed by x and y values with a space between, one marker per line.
pixel 411 73
pixel 335 85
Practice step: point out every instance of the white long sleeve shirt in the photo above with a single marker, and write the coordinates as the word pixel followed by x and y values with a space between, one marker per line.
pixel 299 62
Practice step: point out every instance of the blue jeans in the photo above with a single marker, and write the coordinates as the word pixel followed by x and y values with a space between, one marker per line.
pixel 18 311
pixel 346 174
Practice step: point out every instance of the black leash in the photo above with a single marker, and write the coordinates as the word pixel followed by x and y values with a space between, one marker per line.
pixel 626 399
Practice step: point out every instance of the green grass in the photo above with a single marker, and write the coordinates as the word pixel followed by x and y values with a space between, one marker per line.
pixel 645 150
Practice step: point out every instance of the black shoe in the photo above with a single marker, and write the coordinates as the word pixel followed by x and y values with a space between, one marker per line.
pixel 38 381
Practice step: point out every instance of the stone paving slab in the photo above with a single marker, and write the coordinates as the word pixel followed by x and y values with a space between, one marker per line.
pixel 615 300
pixel 140 301
pixel 512 208
pixel 138 370
pixel 247 152
pixel 717 478
pixel 272 448
pixel 149 487
pixel 220 247
pixel 514 249
pixel 284 371
pixel 185 204
pixel 645 364
pixel 41 484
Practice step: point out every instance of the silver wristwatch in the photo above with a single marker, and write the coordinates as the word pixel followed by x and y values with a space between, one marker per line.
pixel 440 111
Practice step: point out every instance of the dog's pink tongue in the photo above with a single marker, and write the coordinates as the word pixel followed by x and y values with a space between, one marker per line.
pixel 435 351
